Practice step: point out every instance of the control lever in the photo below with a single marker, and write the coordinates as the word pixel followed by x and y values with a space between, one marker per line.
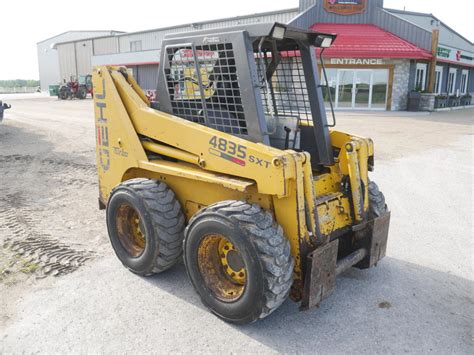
pixel 287 137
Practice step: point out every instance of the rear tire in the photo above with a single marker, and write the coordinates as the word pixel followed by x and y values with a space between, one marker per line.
pixel 81 93
pixel 377 205
pixel 145 224
pixel 265 257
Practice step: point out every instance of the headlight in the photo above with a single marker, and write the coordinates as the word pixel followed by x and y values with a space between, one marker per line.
pixel 278 32
pixel 324 41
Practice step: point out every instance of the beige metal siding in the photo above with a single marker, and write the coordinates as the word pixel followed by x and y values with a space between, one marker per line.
pixel 108 45
pixel 67 61
pixel 83 57
pixel 147 76
pixel 48 59
pixel 152 39
pixel 283 17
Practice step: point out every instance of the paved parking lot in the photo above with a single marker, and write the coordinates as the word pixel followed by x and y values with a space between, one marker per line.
pixel 418 300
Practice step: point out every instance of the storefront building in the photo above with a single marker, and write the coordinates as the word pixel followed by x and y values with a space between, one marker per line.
pixel 368 68
pixel 453 74
pixel 381 55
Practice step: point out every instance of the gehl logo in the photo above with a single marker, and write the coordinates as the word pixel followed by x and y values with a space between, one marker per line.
pixel 102 130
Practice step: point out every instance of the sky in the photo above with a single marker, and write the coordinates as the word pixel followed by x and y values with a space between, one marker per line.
pixel 24 23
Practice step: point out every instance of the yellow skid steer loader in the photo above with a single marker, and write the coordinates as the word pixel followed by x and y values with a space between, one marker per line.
pixel 235 169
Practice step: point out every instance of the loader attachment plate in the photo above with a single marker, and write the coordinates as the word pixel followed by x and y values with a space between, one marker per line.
pixel 320 278
pixel 323 266
pixel 376 241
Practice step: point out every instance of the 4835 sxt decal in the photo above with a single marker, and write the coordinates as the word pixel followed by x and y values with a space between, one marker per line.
pixel 235 153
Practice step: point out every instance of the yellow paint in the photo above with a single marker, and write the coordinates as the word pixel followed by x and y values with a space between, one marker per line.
pixel 304 202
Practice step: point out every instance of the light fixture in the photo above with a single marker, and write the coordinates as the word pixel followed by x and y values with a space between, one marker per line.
pixel 278 32
pixel 324 41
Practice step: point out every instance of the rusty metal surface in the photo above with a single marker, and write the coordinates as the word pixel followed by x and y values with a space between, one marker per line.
pixel 376 241
pixel 350 260
pixel 320 277
pixel 129 230
pixel 213 268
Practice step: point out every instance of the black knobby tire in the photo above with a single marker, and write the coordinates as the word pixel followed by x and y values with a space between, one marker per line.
pixel 264 250
pixel 161 220
pixel 63 93
pixel 81 93
pixel 377 205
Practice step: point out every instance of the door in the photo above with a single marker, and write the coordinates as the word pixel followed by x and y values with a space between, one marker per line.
pixel 345 89
pixel 379 89
pixel 354 89
pixel 329 93
pixel 361 89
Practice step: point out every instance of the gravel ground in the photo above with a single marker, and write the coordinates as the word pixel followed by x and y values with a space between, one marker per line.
pixel 63 290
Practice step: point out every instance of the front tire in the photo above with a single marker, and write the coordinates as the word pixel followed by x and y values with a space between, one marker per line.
pixel 377 205
pixel 238 261
pixel 145 224
pixel 63 93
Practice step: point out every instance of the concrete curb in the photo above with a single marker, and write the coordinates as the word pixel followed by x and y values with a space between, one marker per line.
pixel 453 108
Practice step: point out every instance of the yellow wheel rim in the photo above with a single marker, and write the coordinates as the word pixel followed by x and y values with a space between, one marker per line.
pixel 222 267
pixel 232 261
pixel 129 230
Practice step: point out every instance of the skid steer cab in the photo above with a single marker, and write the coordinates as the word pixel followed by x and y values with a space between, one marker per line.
pixel 235 169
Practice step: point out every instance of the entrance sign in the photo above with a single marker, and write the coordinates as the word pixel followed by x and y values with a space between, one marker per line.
pixel 345 7
pixel 357 61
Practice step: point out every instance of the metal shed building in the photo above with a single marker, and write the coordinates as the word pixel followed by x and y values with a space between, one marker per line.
pixel 140 51
pixel 48 57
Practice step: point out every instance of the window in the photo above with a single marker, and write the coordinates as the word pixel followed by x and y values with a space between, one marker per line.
pixel 332 78
pixel 438 80
pixel 135 46
pixel 420 79
pixel 464 80
pixel 451 81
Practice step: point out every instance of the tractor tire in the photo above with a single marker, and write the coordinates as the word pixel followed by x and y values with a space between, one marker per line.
pixel 146 226
pixel 63 93
pixel 238 261
pixel 81 93
pixel 377 205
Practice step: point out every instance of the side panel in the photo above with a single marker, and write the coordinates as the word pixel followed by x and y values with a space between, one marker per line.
pixel 119 149
pixel 195 195
pixel 219 152
pixel 118 146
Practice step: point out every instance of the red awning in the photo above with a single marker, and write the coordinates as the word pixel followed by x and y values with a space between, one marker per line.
pixel 368 41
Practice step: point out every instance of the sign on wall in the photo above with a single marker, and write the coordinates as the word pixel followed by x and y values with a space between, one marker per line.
pixel 345 7
pixel 455 55
pixel 357 61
